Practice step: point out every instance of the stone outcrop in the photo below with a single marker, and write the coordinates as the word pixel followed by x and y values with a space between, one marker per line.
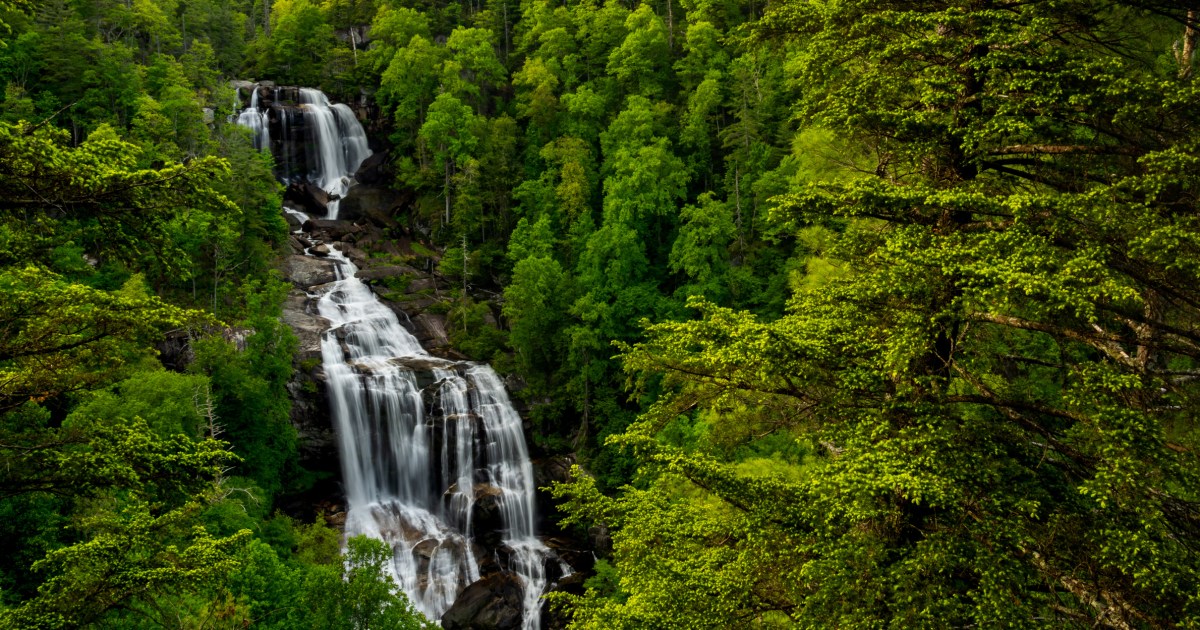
pixel 376 203
pixel 486 518
pixel 492 603
pixel 374 170
pixel 311 199
pixel 305 272
pixel 300 313
pixel 331 230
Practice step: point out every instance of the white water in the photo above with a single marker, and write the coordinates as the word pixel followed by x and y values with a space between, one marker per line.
pixel 335 142
pixel 412 477
pixel 339 145
pixel 257 122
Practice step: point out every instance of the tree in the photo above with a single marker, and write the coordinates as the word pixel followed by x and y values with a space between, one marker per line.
pixel 645 180
pixel 537 297
pixel 601 28
pixel 299 43
pixel 472 69
pixel 124 558
pixel 94 196
pixel 392 29
pixel 640 63
pixel 537 100
pixel 994 406
pixel 60 336
pixel 357 592
pixel 701 251
pixel 408 86
pixel 448 132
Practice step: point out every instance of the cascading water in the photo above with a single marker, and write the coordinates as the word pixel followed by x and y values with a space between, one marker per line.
pixel 338 147
pixel 335 143
pixel 257 122
pixel 413 478
pixel 425 443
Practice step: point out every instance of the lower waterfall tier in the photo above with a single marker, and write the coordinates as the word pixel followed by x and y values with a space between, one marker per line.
pixel 433 456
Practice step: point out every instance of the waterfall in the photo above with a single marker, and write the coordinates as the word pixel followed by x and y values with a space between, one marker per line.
pixel 433 454
pixel 328 136
pixel 425 443
pixel 257 122
pixel 338 144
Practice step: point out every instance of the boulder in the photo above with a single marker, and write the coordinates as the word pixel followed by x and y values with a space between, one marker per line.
pixel 572 551
pixel 299 312
pixel 356 255
pixel 305 271
pixel 357 36
pixel 310 197
pixel 175 350
pixel 374 170
pixel 551 469
pixel 488 559
pixel 430 330
pixel 515 383
pixel 299 243
pixel 546 472
pixel 555 619
pixel 487 515
pixel 331 229
pixel 493 603
pixel 320 250
pixel 243 87
pixel 294 222
pixel 375 202
pixel 423 364
pixel 403 304
pixel 423 284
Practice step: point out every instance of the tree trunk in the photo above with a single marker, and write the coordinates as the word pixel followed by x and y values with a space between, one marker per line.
pixel 670 27
pixel 446 191
pixel 1185 53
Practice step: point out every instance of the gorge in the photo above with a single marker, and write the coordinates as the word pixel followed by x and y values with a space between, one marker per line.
pixel 433 454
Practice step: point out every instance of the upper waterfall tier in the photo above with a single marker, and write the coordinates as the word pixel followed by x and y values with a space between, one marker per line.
pixel 313 141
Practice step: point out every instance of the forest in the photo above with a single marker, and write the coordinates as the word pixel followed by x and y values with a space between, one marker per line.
pixel 851 313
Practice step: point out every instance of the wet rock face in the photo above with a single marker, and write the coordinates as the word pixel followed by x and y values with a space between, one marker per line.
pixel 487 519
pixel 375 202
pixel 555 619
pixel 332 230
pixel 492 603
pixel 546 472
pixel 316 439
pixel 305 272
pixel 374 170
pixel 299 312
pixel 312 200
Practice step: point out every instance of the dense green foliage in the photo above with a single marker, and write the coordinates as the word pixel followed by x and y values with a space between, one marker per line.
pixel 902 298
pixel 132 496
pixel 992 403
